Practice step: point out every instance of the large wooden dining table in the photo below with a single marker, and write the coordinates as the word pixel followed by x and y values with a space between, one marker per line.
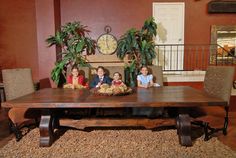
pixel 48 100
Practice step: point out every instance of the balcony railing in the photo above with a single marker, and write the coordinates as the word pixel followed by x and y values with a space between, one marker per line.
pixel 190 57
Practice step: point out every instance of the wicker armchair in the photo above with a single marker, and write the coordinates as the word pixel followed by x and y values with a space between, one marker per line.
pixel 17 83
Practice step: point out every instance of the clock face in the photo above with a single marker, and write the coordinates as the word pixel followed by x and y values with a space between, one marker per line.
pixel 107 44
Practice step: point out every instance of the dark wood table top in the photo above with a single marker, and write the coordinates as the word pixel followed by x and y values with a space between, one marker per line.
pixel 167 96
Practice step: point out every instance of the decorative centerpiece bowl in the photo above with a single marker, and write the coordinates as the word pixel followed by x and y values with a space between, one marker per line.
pixel 71 86
pixel 113 90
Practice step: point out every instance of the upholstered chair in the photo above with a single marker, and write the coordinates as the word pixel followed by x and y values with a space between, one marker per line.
pixel 218 82
pixel 17 83
pixel 157 73
pixel 44 83
pixel 85 71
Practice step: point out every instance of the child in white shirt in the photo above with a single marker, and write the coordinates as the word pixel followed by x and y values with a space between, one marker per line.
pixel 145 80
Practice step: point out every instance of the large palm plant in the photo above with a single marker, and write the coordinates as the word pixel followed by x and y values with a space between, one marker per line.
pixel 139 46
pixel 74 44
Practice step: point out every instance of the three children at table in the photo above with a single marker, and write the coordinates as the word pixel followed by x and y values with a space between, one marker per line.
pixel 100 78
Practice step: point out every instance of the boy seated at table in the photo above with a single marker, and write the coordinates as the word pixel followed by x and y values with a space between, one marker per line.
pixel 100 78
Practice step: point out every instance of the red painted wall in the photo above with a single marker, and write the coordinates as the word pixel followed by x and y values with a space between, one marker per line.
pixel 119 14
pixel 122 15
pixel 46 25
pixel 24 25
pixel 18 42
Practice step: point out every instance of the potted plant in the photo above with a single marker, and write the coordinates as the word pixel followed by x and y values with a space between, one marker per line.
pixel 74 44
pixel 140 48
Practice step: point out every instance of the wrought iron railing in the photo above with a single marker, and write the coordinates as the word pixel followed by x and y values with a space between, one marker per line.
pixel 189 57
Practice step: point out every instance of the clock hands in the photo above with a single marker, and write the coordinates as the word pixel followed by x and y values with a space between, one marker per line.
pixel 107 43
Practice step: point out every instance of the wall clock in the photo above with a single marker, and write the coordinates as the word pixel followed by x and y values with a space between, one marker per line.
pixel 107 43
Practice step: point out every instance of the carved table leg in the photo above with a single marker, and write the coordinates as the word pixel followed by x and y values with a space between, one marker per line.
pixel 184 129
pixel 46 129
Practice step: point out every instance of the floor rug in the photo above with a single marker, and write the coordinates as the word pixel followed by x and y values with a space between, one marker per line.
pixel 116 143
